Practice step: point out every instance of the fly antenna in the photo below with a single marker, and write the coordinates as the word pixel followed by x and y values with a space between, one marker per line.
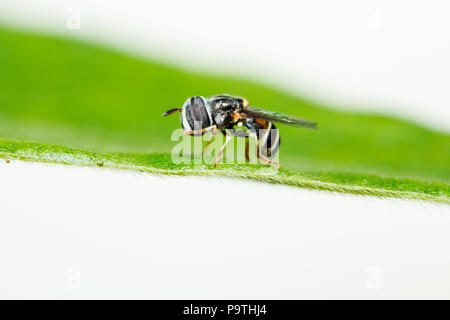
pixel 171 111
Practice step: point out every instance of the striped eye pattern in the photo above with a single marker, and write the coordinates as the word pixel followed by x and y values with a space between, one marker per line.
pixel 195 114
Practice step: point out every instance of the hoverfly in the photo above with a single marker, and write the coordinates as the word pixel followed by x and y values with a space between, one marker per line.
pixel 223 112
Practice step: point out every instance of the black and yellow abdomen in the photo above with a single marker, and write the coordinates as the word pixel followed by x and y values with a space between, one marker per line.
pixel 267 134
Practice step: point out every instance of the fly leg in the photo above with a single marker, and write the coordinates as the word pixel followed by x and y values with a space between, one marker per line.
pixel 200 131
pixel 207 146
pixel 247 150
pixel 268 161
pixel 210 142
pixel 219 154
pixel 261 157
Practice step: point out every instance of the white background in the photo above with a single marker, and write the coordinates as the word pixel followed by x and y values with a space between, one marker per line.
pixel 95 233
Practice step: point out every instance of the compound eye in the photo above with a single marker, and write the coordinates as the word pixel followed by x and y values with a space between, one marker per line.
pixel 196 114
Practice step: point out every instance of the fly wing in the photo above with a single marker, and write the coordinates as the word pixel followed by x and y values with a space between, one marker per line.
pixel 279 117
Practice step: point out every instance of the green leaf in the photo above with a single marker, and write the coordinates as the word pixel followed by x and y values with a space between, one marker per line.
pixel 66 101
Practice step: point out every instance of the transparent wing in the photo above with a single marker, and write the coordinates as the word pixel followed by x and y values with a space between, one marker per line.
pixel 279 117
